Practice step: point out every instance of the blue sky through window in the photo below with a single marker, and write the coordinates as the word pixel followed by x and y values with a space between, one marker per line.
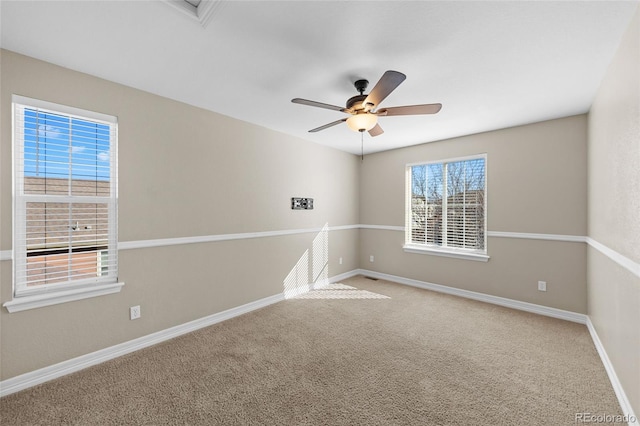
pixel 59 146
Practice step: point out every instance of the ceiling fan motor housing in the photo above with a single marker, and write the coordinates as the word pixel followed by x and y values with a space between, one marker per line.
pixel 355 103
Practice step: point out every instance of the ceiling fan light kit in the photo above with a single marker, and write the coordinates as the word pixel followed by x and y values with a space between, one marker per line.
pixel 362 122
pixel 362 108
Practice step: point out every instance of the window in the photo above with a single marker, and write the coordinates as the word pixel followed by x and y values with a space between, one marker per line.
pixel 65 202
pixel 446 208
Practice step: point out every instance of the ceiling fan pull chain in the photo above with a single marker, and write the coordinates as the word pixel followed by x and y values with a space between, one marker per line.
pixel 362 146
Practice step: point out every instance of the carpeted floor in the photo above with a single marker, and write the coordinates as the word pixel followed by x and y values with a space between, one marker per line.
pixel 361 353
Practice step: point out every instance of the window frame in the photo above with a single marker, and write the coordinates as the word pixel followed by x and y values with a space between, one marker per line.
pixel 25 297
pixel 434 249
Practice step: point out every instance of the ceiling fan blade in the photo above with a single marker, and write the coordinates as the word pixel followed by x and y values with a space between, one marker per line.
pixel 411 110
pixel 387 84
pixel 326 126
pixel 317 104
pixel 376 131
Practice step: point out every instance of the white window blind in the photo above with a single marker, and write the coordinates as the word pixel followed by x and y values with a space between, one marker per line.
pixel 446 204
pixel 65 203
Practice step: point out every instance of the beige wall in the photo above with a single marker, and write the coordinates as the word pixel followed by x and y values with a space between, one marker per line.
pixel 183 172
pixel 536 183
pixel 614 212
pixel 189 172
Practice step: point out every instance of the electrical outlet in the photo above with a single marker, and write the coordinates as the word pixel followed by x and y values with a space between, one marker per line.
pixel 542 286
pixel 340 261
pixel 371 258
pixel 134 312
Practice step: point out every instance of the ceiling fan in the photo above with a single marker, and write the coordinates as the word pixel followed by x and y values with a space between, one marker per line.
pixel 362 108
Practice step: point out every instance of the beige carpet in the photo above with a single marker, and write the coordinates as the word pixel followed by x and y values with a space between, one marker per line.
pixel 363 353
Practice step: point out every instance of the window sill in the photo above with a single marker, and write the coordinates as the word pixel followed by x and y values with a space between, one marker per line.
pixel 53 298
pixel 456 254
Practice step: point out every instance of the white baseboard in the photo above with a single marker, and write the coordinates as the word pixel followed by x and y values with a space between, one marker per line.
pixel 45 374
pixel 496 300
pixel 27 380
pixel 42 375
pixel 625 405
pixel 627 410
pixel 345 276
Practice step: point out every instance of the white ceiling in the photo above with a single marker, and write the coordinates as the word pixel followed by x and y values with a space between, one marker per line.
pixel 491 64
